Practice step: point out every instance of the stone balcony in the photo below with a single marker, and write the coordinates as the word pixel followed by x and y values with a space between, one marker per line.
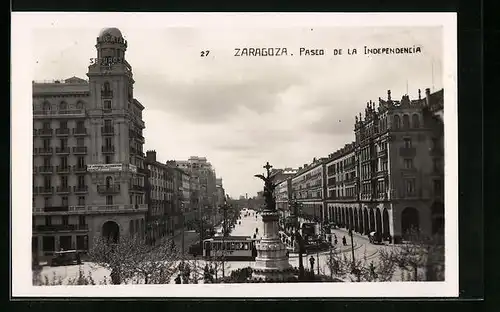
pixel 91 209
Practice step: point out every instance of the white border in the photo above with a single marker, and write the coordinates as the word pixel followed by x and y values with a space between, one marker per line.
pixel 21 112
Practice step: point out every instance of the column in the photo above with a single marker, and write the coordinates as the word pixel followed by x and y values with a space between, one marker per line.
pixel 57 246
pixel 40 246
pixel 73 242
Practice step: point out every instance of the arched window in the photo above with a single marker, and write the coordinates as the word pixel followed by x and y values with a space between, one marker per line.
pixel 79 105
pixel 415 121
pixel 46 106
pixel 63 106
pixel 397 122
pixel 406 121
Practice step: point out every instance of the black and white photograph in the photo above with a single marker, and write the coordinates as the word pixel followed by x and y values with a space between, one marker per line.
pixel 231 152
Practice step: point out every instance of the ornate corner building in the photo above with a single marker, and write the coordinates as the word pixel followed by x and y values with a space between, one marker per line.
pixel 88 174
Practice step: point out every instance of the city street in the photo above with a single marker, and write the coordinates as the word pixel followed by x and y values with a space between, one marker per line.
pixel 362 248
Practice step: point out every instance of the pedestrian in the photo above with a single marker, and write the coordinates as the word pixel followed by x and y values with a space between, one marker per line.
pixel 254 236
pixel 311 261
pixel 256 230
pixel 335 241
pixel 344 241
pixel 178 279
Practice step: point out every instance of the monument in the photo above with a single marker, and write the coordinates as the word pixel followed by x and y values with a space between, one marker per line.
pixel 271 263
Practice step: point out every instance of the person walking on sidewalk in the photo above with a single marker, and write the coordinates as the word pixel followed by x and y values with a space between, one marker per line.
pixel 344 241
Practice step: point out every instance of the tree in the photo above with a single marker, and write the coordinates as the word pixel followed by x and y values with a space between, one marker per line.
pixel 217 264
pixel 130 258
pixel 421 257
pixel 363 269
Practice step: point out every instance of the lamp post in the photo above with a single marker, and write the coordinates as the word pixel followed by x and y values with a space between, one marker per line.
pixel 354 269
pixel 298 237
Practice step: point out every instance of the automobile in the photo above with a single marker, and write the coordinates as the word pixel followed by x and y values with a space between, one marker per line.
pixel 65 257
pixel 375 238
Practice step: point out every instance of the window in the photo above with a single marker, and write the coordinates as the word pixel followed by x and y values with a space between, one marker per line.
pixel 408 163
pixel 109 200
pixel 107 124
pixel 48 220
pixel 436 164
pixel 107 159
pixel 407 142
pixel 80 142
pixel 63 124
pixel 47 181
pixel 81 162
pixel 406 121
pixel 106 87
pixel 434 144
pixel 64 162
pixel 64 181
pixel 107 104
pixel 81 220
pixel 80 124
pixel 63 106
pixel 46 143
pixel 79 105
pixel 437 186
pixel 415 121
pixel 397 122
pixel 47 202
pixel 64 143
pixel 65 220
pixel 410 187
pixel 107 141
pixel 46 107
pixel 64 201
pixel 46 125
pixel 46 162
pixel 81 200
pixel 81 180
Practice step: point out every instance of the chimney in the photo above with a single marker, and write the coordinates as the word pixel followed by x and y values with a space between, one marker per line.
pixel 388 95
pixel 419 94
pixel 427 96
pixel 151 156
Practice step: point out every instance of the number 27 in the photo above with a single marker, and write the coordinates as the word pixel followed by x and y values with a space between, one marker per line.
pixel 204 53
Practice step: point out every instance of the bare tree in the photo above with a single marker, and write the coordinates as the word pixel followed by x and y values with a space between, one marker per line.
pixel 420 256
pixel 218 265
pixel 130 258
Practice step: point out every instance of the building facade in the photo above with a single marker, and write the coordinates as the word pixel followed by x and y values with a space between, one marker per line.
pixel 159 194
pixel 88 175
pixel 309 188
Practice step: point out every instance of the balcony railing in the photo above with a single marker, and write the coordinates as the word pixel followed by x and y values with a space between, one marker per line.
pixel 109 189
pixel 79 169
pixel 382 153
pixel 108 149
pixel 137 188
pixel 90 209
pixel 46 169
pixel 107 94
pixel 62 132
pixel 63 169
pixel 107 130
pixel 59 113
pixel 79 131
pixel 63 189
pixel 78 189
pixel 61 227
pixel 45 151
pixel 45 132
pixel 407 152
pixel 45 190
pixel 79 150
pixel 62 150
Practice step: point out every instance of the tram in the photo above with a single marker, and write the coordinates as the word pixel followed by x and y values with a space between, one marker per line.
pixel 233 248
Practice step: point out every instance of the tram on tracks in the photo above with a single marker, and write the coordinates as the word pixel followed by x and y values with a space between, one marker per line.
pixel 232 248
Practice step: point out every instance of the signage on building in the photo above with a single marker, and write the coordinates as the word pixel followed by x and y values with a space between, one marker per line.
pixel 132 168
pixel 104 167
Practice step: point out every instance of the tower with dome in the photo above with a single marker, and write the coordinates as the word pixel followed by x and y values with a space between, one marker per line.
pixel 88 155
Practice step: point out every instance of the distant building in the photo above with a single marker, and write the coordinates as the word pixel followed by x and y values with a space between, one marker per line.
pixel 201 169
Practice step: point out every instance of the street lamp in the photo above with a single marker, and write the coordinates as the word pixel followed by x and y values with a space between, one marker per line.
pixel 298 237
pixel 354 269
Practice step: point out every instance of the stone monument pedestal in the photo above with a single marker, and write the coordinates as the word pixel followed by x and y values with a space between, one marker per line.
pixel 271 263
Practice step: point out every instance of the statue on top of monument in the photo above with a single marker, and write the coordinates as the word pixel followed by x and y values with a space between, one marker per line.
pixel 269 187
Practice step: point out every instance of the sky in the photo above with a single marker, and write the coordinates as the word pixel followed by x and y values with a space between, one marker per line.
pixel 241 112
